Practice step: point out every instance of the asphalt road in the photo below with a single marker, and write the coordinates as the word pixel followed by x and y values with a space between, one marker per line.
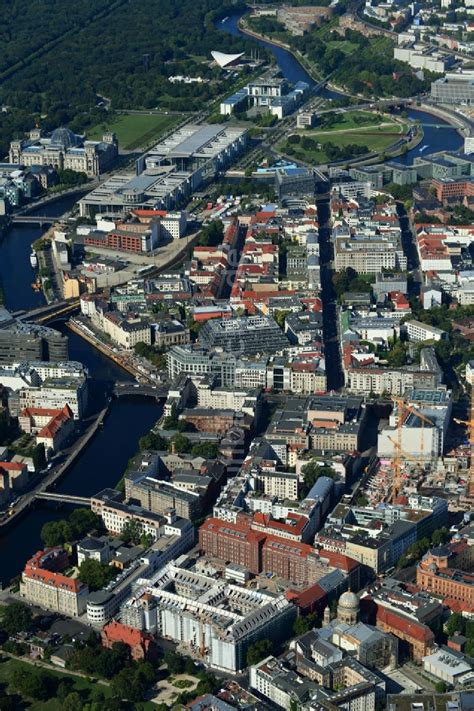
pixel 335 376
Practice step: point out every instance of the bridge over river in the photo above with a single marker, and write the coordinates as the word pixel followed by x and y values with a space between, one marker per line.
pixel 63 498
pixel 129 388
pixel 48 312
pixel 40 220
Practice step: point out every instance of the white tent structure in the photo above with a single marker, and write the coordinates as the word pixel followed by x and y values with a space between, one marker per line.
pixel 223 60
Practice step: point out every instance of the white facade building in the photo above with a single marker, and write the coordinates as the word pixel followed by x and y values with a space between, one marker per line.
pixel 418 331
pixel 211 617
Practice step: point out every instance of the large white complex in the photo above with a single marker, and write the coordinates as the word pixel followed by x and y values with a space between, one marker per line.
pixel 211 619
pixel 204 148
pixel 163 189
pixel 418 56
pixel 167 174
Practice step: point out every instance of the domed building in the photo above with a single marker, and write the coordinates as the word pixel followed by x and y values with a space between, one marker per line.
pixel 64 138
pixel 65 150
pixel 95 548
pixel 348 608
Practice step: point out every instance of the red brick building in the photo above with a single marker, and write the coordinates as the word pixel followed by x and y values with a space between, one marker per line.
pixel 451 189
pixel 215 421
pixel 440 572
pixel 286 559
pixel 292 529
pixel 261 552
pixel 232 542
pixel 141 644
pixel 417 638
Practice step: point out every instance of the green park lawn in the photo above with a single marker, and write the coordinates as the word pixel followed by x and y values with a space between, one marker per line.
pixel 356 119
pixel 79 685
pixel 344 46
pixel 376 138
pixel 134 130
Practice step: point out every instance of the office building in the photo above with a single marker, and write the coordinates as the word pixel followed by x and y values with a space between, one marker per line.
pixel 53 394
pixel 159 496
pixel 420 57
pixel 28 342
pixel 449 666
pixel 213 618
pixel 292 182
pixel 454 89
pixel 199 149
pixel 244 336
pixel 115 515
pixel 418 331
pixel 44 583
pixel 164 189
pixel 369 254
pixel 298 20
pixel 305 119
pixel 52 428
pixel 440 573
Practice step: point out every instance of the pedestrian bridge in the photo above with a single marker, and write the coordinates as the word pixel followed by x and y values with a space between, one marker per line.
pixel 156 391
pixel 34 220
pixel 63 498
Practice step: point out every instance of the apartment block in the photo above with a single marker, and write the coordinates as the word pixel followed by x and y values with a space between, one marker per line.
pixel 369 255
pixel 43 583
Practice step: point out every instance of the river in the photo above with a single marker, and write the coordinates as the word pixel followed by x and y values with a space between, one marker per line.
pixel 289 65
pixel 434 139
pixel 103 462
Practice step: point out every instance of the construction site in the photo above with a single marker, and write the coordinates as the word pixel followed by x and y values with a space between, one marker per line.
pixel 418 453
pixel 211 620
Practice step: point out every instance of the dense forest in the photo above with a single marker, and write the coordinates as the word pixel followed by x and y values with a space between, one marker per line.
pixel 122 49
pixel 29 26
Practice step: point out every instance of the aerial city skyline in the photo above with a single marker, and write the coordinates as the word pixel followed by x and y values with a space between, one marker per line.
pixel 236 355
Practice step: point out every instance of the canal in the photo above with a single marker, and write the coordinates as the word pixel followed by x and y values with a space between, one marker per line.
pixel 434 139
pixel 103 462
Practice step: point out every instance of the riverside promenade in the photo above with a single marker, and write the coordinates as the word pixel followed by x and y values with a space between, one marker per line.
pixel 54 475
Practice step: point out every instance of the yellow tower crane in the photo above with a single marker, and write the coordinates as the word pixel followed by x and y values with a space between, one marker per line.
pixel 403 408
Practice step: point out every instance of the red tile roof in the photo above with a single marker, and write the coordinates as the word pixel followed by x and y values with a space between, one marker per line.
pixel 117 632
pixel 306 598
pixel 36 569
pixel 403 624
pixel 339 560
pixel 12 466
pixel 140 212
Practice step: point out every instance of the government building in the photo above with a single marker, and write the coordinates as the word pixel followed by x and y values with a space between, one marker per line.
pixel 65 150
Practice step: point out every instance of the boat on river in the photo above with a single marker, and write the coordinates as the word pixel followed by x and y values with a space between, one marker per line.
pixel 33 259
